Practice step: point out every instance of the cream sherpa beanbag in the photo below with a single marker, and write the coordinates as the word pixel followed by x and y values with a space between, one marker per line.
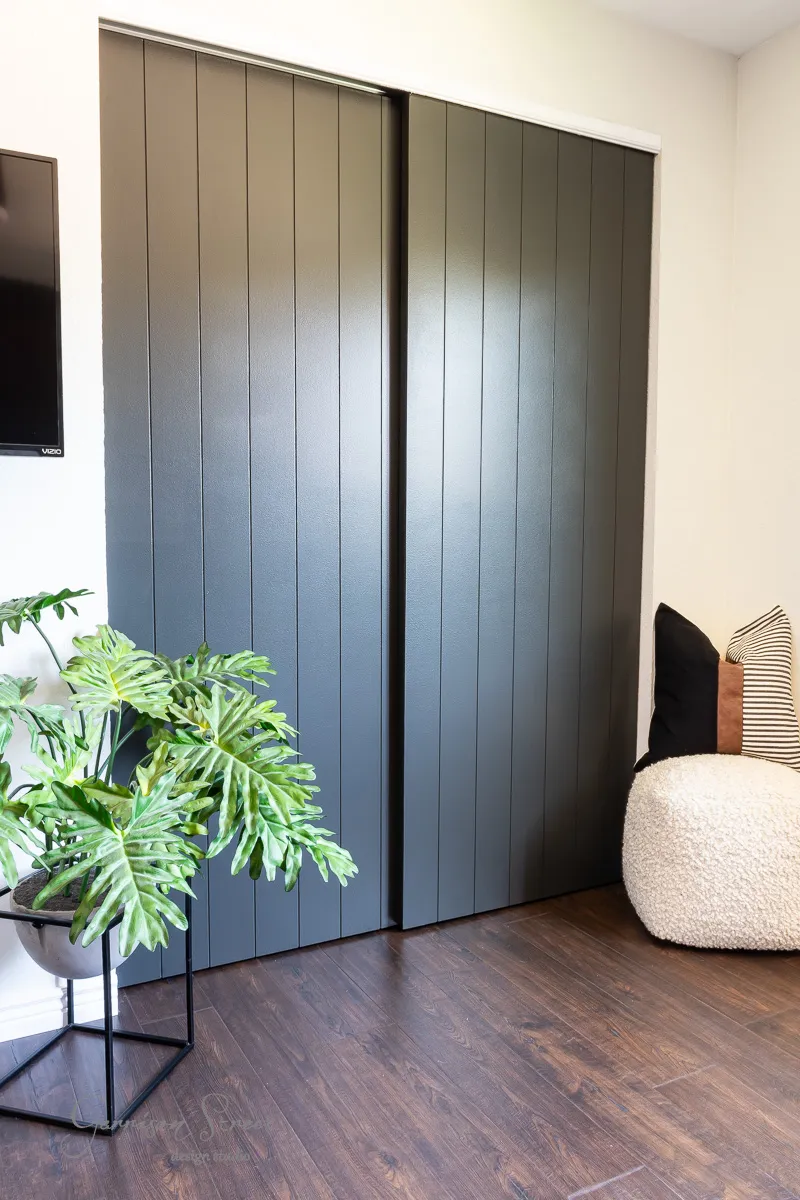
pixel 711 852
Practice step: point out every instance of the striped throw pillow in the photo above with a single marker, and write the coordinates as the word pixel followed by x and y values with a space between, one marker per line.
pixel 769 721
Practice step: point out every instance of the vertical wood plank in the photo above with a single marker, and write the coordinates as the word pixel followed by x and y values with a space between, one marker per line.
pixel 222 183
pixel 126 365
pixel 463 355
pixel 362 485
pixel 318 527
pixel 566 523
pixel 171 119
pixel 534 453
pixel 424 370
pixel 501 288
pixel 632 436
pixel 222 192
pixel 270 105
pixel 126 361
pixel 599 521
pixel 391 598
pixel 170 88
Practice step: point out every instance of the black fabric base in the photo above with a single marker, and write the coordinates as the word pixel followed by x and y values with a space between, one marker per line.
pixel 687 683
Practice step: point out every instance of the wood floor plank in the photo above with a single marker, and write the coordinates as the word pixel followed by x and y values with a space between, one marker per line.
pixel 489 1159
pixel 634 983
pixel 483 1013
pixel 640 1184
pixel 615 1028
pixel 492 1083
pixel 481 1159
pixel 156 1154
pixel 743 986
pixel 331 1107
pixel 553 1050
pixel 695 1030
pixel 235 1122
pixel 20 1091
pixel 496 1090
pixel 51 1083
pixel 588 1078
pixel 55 1092
pixel 644 1122
pixel 783 1030
pixel 742 1122
pixel 30 1154
pixel 163 998
pixel 331 1002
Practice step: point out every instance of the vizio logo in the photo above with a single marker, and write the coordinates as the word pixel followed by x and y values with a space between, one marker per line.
pixel 51 450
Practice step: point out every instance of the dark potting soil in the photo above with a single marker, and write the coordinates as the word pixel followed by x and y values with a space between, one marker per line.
pixel 28 889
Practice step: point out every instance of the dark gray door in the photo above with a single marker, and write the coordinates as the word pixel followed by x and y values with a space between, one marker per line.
pixel 528 274
pixel 248 247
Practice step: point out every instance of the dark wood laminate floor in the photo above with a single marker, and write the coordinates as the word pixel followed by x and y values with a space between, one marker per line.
pixel 552 1050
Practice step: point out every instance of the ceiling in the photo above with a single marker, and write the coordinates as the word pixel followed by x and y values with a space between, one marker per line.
pixel 732 25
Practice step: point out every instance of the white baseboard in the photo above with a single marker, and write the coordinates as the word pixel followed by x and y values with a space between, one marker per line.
pixel 48 1009
pixel 31 1000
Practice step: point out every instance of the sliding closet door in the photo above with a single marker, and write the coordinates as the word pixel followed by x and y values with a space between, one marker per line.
pixel 528 270
pixel 248 246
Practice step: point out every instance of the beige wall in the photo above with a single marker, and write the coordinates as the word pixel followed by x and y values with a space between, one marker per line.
pixel 763 566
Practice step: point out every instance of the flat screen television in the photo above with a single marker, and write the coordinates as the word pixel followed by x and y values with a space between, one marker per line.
pixel 30 334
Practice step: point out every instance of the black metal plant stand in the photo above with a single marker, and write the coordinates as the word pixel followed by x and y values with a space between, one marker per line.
pixel 113 1119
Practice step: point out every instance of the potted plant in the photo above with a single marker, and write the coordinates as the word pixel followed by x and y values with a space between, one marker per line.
pixel 98 845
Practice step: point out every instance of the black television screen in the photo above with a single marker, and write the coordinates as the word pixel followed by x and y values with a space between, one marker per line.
pixel 30 349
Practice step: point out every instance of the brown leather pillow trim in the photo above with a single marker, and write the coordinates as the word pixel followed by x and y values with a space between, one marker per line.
pixel 730 707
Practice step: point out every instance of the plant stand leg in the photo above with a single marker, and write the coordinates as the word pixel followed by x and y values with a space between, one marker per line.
pixel 189 976
pixel 108 1030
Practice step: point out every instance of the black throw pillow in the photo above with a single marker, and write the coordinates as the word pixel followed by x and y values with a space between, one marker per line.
pixel 686 690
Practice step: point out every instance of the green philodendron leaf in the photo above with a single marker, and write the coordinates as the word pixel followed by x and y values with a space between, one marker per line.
pixel 6 728
pixel 15 691
pixel 195 675
pixel 149 773
pixel 69 763
pixel 39 718
pixel 109 671
pixel 292 865
pixel 14 830
pixel 226 669
pixel 10 834
pixel 83 802
pixel 113 796
pixel 274 845
pixel 233 762
pixel 14 613
pixel 152 769
pixel 194 829
pixel 130 865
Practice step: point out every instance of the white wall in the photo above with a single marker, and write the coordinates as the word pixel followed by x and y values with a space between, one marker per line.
pixel 53 529
pixel 53 518
pixel 52 510
pixel 764 434
pixel 513 55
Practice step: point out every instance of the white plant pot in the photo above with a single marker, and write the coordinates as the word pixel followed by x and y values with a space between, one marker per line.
pixel 50 948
